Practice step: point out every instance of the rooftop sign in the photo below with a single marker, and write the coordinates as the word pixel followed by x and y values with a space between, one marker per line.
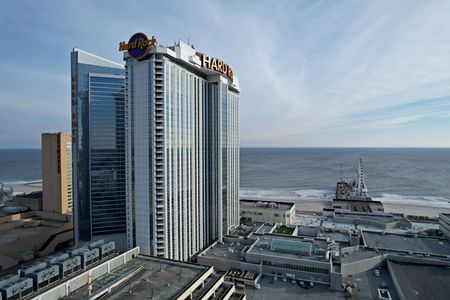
pixel 217 65
pixel 138 46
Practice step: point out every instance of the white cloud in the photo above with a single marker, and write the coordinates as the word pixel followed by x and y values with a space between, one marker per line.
pixel 310 71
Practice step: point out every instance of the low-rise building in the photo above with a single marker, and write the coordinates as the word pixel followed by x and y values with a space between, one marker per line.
pixel 420 281
pixel 358 205
pixel 379 220
pixel 130 274
pixel 270 212
pixel 332 258
pixel 283 256
pixel 411 244
pixel 31 234
pixel 31 200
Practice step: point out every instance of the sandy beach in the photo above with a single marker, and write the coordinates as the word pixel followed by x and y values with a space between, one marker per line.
pixel 312 205
pixel 415 210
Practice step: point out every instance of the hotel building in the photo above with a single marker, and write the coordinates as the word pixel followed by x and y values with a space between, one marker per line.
pixel 57 172
pixel 98 131
pixel 155 149
pixel 182 150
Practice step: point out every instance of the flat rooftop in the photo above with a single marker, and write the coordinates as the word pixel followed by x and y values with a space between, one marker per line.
pixel 12 235
pixel 270 205
pixel 308 220
pixel 331 224
pixel 27 228
pixel 232 251
pixel 244 230
pixel 336 236
pixel 265 228
pixel 422 281
pixel 33 195
pixel 307 231
pixel 358 205
pixel 228 251
pixel 156 279
pixel 280 290
pixel 406 243
pixel 378 217
pixel 357 255
pixel 367 284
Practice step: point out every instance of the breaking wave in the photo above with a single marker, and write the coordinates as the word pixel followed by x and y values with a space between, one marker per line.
pixel 321 195
pixel 37 183
pixel 432 201
pixel 286 194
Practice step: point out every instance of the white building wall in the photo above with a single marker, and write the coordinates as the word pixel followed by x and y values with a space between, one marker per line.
pixel 141 157
pixel 184 162
pixel 187 202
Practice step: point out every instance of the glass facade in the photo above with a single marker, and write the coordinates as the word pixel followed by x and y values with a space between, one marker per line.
pixel 296 247
pixel 212 164
pixel 302 268
pixel 155 152
pixel 107 154
pixel 97 146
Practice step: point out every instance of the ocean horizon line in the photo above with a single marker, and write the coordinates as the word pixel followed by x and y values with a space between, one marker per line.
pixel 300 147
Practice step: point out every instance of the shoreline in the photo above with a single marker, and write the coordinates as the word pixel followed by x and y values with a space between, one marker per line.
pixel 19 189
pixel 314 205
pixel 306 205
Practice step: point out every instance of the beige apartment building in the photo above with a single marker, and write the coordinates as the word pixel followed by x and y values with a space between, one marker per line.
pixel 57 172
pixel 270 212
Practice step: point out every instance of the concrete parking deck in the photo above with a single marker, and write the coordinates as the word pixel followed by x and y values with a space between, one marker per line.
pixel 407 243
pixel 162 278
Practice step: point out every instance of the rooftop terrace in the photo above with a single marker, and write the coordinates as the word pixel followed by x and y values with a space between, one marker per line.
pixel 229 251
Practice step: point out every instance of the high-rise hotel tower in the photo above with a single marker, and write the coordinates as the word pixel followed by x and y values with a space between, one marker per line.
pixel 57 172
pixel 98 148
pixel 182 148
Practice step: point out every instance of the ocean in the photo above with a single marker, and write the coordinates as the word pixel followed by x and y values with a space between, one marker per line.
pixel 20 166
pixel 398 175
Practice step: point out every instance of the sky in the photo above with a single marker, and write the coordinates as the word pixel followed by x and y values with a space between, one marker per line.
pixel 312 73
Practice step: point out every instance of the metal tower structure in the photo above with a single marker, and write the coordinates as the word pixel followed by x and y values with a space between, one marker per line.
pixel 359 188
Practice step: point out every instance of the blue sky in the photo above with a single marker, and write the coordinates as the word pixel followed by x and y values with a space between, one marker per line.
pixel 312 73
